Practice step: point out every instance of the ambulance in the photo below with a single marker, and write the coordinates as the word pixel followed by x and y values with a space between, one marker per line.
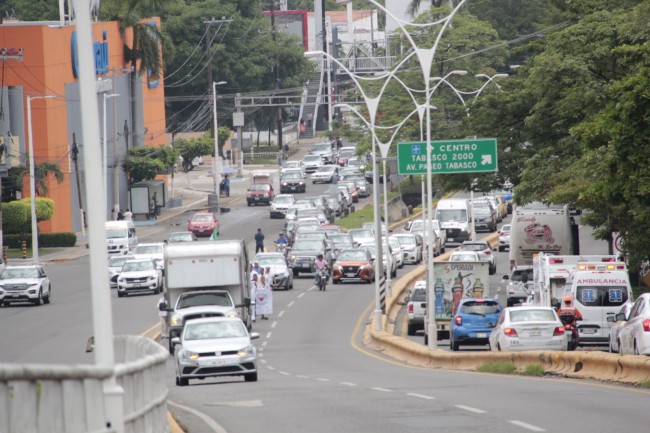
pixel 599 290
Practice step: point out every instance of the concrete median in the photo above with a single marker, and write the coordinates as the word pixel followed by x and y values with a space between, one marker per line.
pixel 578 364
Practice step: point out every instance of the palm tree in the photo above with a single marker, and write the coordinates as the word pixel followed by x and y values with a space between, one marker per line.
pixel 42 171
pixel 145 52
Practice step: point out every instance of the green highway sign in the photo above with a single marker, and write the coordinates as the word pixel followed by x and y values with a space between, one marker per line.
pixel 448 156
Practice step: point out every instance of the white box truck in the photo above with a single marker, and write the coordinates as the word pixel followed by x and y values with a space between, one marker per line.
pixel 121 237
pixel 454 281
pixel 206 271
pixel 455 217
pixel 538 227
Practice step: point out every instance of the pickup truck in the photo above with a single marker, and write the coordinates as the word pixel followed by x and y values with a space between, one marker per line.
pixel 416 306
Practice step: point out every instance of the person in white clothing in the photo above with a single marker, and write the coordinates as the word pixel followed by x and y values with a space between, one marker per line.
pixel 128 215
pixel 264 298
pixel 162 314
pixel 254 284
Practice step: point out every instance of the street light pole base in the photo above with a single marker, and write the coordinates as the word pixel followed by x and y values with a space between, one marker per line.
pixel 377 320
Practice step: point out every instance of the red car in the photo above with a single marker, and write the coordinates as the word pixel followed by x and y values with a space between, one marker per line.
pixel 355 264
pixel 203 224
pixel 260 193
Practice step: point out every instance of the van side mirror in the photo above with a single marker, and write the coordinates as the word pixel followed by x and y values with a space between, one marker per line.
pixel 506 277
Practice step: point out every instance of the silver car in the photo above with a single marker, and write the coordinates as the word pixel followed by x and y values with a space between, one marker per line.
pixel 139 276
pixel 280 274
pixel 24 284
pixel 215 346
pixel 411 246
pixel 115 267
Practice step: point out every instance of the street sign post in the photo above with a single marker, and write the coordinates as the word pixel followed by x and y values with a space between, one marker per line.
pixel 448 156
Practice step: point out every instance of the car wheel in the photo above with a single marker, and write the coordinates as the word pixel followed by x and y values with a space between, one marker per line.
pixel 620 348
pixel 454 345
pixel 249 203
pixel 498 347
pixel 157 289
pixel 636 348
pixel 410 330
pixel 120 294
pixel 295 273
pixel 182 381
pixel 611 348
pixel 250 377
pixel 48 298
pixel 426 340
pixel 39 298
pixel 501 249
pixel 394 274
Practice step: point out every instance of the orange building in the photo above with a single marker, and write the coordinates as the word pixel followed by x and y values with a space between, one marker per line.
pixel 48 68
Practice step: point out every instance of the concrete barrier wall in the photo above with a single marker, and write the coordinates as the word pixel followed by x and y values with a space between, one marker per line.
pixel 578 364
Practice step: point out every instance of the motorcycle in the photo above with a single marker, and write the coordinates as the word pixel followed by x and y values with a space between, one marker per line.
pixel 569 322
pixel 321 279
pixel 281 248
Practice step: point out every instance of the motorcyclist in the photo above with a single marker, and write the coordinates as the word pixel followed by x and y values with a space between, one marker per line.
pixel 282 239
pixel 319 264
pixel 568 309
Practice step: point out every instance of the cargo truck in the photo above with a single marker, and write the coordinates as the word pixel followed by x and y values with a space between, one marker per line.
pixel 214 274
pixel 454 281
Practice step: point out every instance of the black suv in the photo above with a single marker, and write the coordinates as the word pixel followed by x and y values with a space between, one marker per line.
pixel 303 253
pixel 292 182
pixel 485 216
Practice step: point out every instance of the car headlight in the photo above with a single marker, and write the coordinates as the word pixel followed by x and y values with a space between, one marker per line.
pixel 285 184
pixel 246 351
pixel 232 314
pixel 293 257
pixel 188 354
pixel 120 279
pixel 176 320
pixel 301 183
pixel 337 267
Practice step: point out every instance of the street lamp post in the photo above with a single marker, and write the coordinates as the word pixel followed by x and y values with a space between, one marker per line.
pixel 32 178
pixel 215 175
pixel 104 145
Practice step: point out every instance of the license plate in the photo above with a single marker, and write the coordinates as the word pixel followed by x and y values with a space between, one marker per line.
pixel 306 265
pixel 450 239
pixel 481 335
pixel 350 274
pixel 293 188
pixel 588 331
pixel 257 198
pixel 219 362
pixel 535 333
pixel 15 295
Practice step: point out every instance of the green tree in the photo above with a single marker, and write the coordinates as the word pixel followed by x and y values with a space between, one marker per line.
pixel 144 163
pixel 193 148
pixel 17 215
pixel 42 171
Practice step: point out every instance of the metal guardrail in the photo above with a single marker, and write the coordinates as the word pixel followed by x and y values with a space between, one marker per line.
pixel 40 398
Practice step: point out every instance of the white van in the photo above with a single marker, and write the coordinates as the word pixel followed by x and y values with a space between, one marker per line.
pixel 120 237
pixel 599 290
pixel 455 217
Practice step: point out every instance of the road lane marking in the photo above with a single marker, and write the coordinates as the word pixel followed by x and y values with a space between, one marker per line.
pixel 303 377
pixel 263 361
pixel 425 397
pixel 264 343
pixel 268 334
pixel 275 322
pixel 301 295
pixel 291 303
pixel 321 379
pixel 526 425
pixel 348 383
pixel 284 373
pixel 280 314
pixel 206 419
pixel 270 367
pixel 470 409
pixel 381 389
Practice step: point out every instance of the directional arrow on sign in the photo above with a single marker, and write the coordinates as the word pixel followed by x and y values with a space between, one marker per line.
pixel 486 159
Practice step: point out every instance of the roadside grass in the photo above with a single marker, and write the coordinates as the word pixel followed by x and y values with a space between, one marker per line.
pixel 366 214
pixel 14 253
pixel 645 384
pixel 497 367
pixel 533 370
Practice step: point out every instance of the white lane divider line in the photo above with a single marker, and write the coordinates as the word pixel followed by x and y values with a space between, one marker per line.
pixel 268 334
pixel 526 425
pixel 381 389
pixel 284 373
pixel 275 322
pixel 425 397
pixel 470 409
pixel 270 367
pixel 280 314
pixel 321 379
pixel 263 361
pixel 264 343
pixel 290 304
pixel 301 295
pixel 348 383
pixel 303 377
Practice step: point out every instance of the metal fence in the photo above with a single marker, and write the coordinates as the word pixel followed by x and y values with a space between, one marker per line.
pixel 39 398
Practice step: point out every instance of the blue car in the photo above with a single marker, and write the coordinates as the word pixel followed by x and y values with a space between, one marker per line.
pixel 473 322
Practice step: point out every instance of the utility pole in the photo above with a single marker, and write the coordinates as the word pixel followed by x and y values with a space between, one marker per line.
pixel 208 55
pixel 277 76
pixel 75 158
pixel 239 123
pixel 128 168
pixel 326 64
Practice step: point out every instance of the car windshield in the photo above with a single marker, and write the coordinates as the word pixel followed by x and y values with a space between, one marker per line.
pixel 482 211
pixel 406 240
pixel 209 298
pixel 313 235
pixel 480 307
pixel 321 147
pixel 148 249
pixel 137 266
pixel 517 273
pixel 175 237
pixel 340 240
pixel 531 315
pixel 346 154
pixel 307 228
pixel 202 218
pixel 304 203
pixel 334 203
pixel 265 261
pixel 291 164
pixel 264 187
pixel 215 330
pixel 116 233
pixel 361 233
pixel 312 158
pixel 9 273
pixel 307 245
pixel 394 243
pixel 463 257
pixel 117 262
pixel 419 295
pixel 447 215
pixel 292 176
pixel 475 247
pixel 326 169
pixel 352 256
pixel 283 199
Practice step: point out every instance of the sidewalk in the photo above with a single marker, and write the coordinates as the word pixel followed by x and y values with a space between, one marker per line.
pixel 193 189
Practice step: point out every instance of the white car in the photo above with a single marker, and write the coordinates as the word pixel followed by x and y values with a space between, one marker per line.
pixel 439 235
pixel 464 256
pixel 411 246
pixel 27 283
pixel 617 323
pixel 215 346
pixel 154 251
pixel 280 204
pixel 324 150
pixel 634 336
pixel 325 174
pixel 312 163
pixel 362 237
pixel 416 306
pixel 373 254
pixel 139 276
pixel 396 248
pixel 528 328
pixel 484 250
pixel 504 237
pixel 115 267
pixel 292 165
pixel 371 226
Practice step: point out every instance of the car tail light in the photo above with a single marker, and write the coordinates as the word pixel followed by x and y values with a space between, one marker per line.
pixel 556 261
pixel 559 330
pixel 510 332
pixel 410 308
pixel 458 320
pixel 646 325
pixel 487 252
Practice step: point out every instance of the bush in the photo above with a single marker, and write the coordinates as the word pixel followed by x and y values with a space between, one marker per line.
pixel 534 370
pixel 17 216
pixel 498 367
pixel 45 240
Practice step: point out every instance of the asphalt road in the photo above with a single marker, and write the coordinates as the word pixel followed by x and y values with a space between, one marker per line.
pixel 315 374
